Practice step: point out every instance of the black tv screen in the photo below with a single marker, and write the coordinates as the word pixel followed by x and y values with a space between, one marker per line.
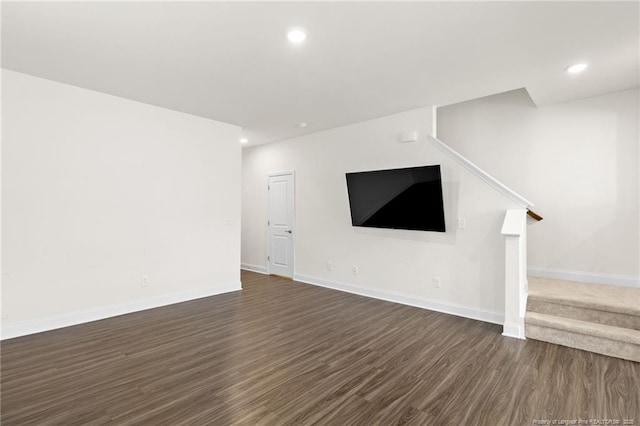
pixel 409 198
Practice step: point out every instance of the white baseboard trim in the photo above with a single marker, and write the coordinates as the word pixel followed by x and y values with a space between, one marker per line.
pixel 430 304
pixel 513 330
pixel 585 277
pixel 81 317
pixel 254 268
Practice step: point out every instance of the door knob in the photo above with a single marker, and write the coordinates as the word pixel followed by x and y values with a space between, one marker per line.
pixel 289 231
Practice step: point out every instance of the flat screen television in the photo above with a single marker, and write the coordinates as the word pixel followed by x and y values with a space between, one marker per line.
pixel 409 198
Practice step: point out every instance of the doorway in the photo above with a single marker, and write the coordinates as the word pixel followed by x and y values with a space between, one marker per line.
pixel 281 224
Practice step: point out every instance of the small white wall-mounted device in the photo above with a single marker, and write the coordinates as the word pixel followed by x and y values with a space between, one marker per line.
pixel 408 137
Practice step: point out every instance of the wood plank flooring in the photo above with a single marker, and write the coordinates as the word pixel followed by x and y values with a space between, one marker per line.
pixel 282 352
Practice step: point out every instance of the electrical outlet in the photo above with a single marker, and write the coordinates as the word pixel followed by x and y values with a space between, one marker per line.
pixel 329 265
pixel 462 223
pixel 436 282
pixel 145 280
pixel 354 270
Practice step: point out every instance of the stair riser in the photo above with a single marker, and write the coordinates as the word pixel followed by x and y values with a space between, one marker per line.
pixel 584 314
pixel 595 344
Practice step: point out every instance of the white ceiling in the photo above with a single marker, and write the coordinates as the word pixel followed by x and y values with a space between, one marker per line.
pixel 232 61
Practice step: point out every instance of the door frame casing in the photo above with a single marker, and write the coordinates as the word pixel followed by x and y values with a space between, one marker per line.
pixel 293 221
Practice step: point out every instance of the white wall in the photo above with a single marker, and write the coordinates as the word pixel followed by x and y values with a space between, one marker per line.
pixel 578 161
pixel 393 264
pixel 98 191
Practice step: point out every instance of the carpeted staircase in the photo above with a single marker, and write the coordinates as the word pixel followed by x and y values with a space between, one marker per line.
pixel 599 318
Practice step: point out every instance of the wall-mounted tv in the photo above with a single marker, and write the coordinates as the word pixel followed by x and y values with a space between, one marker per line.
pixel 409 198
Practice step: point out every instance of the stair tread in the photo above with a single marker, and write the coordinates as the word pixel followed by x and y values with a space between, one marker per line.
pixel 626 335
pixel 601 297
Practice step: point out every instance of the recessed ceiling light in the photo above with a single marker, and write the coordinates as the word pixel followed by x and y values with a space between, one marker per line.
pixel 577 68
pixel 244 141
pixel 302 124
pixel 296 36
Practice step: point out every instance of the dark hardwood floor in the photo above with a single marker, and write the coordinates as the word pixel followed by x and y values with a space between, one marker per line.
pixel 281 352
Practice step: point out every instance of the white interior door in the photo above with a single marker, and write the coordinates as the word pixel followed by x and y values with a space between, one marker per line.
pixel 281 224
